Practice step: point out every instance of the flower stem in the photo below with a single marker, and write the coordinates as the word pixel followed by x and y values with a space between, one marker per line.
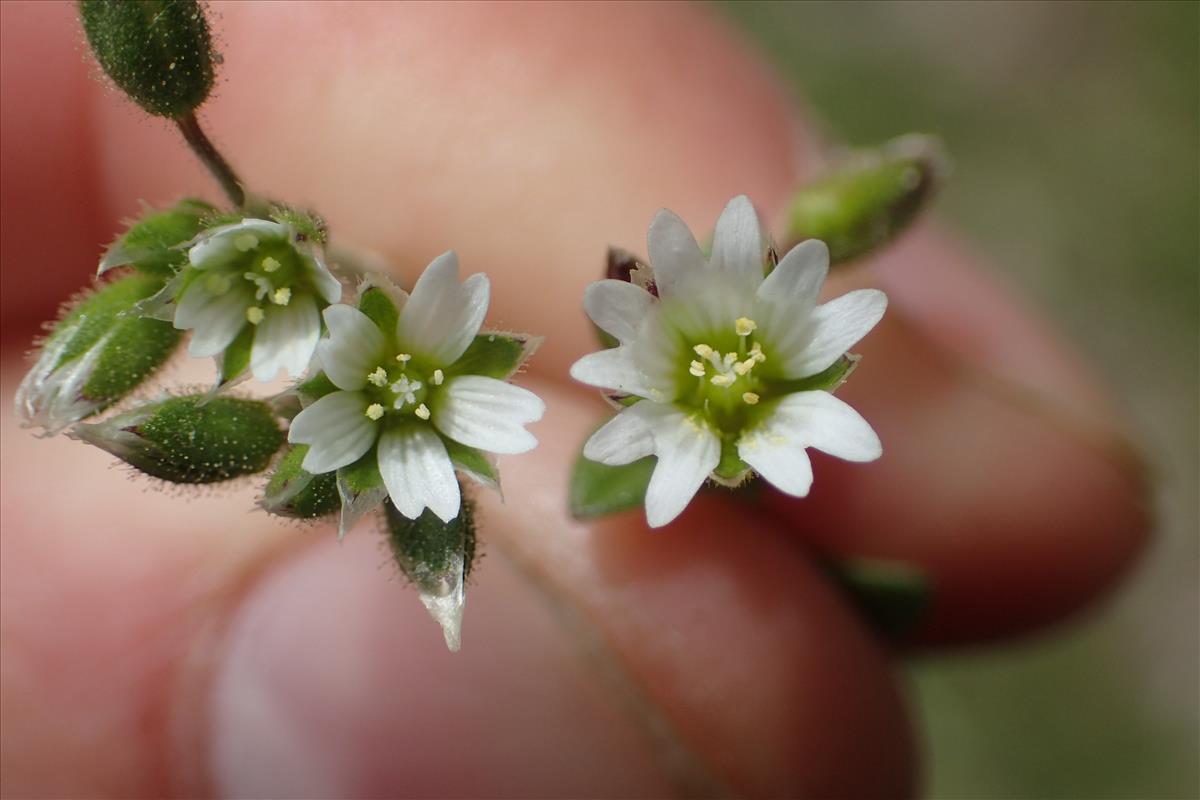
pixel 204 149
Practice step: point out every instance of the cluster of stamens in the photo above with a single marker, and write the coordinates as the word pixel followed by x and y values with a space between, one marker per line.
pixel 728 367
pixel 263 287
pixel 404 389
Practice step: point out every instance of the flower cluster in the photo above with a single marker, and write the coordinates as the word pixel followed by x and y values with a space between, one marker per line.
pixel 719 362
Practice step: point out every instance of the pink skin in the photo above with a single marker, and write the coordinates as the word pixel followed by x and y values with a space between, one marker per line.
pixel 155 647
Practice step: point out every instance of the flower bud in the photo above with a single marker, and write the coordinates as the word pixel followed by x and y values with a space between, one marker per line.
pixel 154 243
pixel 292 492
pixel 868 200
pixel 191 439
pixel 159 52
pixel 102 350
pixel 436 556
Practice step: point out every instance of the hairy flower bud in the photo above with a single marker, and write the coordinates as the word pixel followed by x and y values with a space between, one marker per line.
pixel 98 353
pixel 159 52
pixel 191 439
pixel 869 199
pixel 436 556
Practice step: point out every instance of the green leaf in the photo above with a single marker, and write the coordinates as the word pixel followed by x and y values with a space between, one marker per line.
pixel 316 387
pixel 236 358
pixel 473 462
pixel 597 489
pixel 292 492
pixel 191 439
pixel 869 199
pixel 159 52
pixel 152 243
pixel 495 355
pixel 376 304
pixel 891 596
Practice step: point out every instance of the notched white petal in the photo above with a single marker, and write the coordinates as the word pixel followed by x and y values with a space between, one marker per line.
pixel 738 242
pixel 688 451
pixel 617 307
pixel 418 473
pixel 337 430
pixel 673 251
pixel 286 339
pixel 442 317
pixel 834 328
pixel 488 414
pixel 623 439
pixel 354 347
pixel 613 369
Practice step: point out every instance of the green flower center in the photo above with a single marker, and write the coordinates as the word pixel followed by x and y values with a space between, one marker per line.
pixel 725 385
pixel 272 267
pixel 400 389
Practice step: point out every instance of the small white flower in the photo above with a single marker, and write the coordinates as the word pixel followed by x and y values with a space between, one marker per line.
pixel 400 390
pixel 718 357
pixel 256 272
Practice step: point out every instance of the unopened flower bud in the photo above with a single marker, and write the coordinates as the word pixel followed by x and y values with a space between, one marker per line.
pixel 869 199
pixel 191 439
pixel 98 353
pixel 292 492
pixel 436 556
pixel 159 52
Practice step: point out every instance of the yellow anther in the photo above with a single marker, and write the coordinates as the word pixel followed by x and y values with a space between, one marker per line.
pixel 697 369
pixel 745 326
pixel 270 265
pixel 282 296
pixel 749 398
pixel 404 358
pixel 703 350
pixel 438 377
pixel 254 315
pixel 374 411
pixel 756 353
pixel 724 379
pixel 742 367
pixel 246 242
pixel 422 411
pixel 378 377
pixel 729 359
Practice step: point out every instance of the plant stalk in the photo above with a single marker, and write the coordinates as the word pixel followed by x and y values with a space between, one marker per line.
pixel 208 154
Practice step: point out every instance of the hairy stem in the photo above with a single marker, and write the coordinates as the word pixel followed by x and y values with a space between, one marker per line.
pixel 204 149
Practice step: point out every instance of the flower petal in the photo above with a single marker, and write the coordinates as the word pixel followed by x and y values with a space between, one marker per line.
pixel 336 429
pixel 834 328
pixel 442 317
pixel 418 473
pixel 786 299
pixel 687 453
pixel 286 339
pixel 623 439
pixel 617 307
pixel 353 348
pixel 738 242
pixel 673 251
pixel 489 414
pixel 215 319
pixel 613 369
pixel 780 460
pixel 217 244
pixel 327 286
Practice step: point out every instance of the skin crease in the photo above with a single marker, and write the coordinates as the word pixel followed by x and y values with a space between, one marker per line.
pixel 706 658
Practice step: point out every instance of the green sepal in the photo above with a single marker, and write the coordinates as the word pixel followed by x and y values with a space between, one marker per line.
pixel 380 309
pixel 159 52
pixel 473 462
pixel 293 492
pixel 731 470
pixel 893 597
pixel 193 439
pixel 827 380
pixel 361 490
pixel 495 355
pixel 235 359
pixel 308 225
pixel 153 243
pixel 316 387
pixel 436 557
pixel 597 489
pixel 868 199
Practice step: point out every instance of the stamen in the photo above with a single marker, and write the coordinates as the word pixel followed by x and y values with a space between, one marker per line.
pixel 374 411
pixel 703 350
pixel 697 369
pixel 757 354
pixel 264 285
pixel 724 379
pixel 246 242
pixel 270 264
pixel 404 358
pixel 282 296
pixel 422 411
pixel 749 398
pixel 438 377
pixel 742 367
pixel 378 377
pixel 729 359
pixel 745 326
pixel 254 315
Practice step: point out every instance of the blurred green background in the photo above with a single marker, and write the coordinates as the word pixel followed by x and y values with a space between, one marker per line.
pixel 1074 129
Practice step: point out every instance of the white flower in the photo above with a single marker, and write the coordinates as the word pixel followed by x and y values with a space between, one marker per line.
pixel 719 358
pixel 258 273
pixel 402 392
